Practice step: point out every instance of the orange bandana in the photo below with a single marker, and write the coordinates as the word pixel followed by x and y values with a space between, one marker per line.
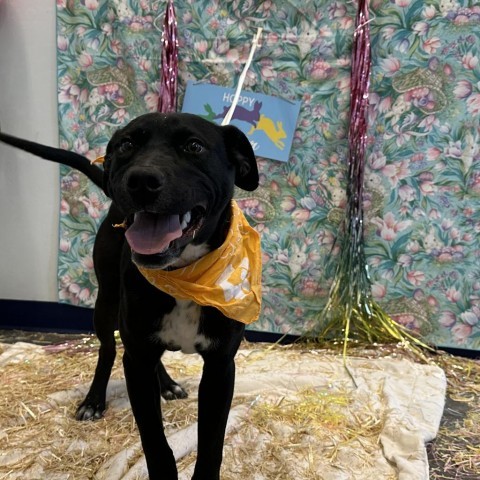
pixel 229 278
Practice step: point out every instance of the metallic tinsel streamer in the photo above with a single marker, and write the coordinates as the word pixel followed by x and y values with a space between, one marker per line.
pixel 167 100
pixel 350 312
pixel 357 134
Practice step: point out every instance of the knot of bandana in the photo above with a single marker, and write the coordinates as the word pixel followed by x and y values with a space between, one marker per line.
pixel 228 278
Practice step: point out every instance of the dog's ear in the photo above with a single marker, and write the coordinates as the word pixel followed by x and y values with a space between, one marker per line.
pixel 107 164
pixel 106 169
pixel 240 153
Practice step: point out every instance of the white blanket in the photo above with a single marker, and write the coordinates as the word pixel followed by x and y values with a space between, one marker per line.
pixel 404 399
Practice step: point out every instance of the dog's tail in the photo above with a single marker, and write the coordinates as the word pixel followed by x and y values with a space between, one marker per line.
pixel 57 155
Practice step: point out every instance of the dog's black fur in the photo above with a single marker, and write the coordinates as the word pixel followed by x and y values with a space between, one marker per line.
pixel 164 165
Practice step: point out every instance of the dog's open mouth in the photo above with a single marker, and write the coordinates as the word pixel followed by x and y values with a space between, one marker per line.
pixel 153 234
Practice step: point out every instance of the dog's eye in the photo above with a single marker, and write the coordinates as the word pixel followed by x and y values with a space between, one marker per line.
pixel 193 146
pixel 125 146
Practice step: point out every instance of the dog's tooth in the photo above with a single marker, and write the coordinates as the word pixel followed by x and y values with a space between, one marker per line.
pixel 186 218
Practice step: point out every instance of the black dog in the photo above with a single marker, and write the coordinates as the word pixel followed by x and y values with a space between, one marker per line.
pixel 175 166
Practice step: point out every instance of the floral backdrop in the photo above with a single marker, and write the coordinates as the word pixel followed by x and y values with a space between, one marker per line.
pixel 423 168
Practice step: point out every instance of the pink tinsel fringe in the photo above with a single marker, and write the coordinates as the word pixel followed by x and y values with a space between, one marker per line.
pixel 357 135
pixel 167 101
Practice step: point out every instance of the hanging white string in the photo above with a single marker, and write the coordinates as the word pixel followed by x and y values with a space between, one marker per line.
pixel 241 80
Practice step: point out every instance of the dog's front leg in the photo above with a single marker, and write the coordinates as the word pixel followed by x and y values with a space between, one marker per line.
pixel 144 393
pixel 214 401
pixel 106 257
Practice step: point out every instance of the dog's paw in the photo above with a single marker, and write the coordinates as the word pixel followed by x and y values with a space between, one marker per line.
pixel 173 392
pixel 90 410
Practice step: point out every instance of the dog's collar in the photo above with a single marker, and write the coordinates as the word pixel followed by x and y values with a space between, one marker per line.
pixel 228 278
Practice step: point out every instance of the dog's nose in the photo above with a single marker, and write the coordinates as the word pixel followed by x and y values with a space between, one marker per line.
pixel 143 185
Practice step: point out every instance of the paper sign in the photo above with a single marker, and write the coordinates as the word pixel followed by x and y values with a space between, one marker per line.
pixel 268 122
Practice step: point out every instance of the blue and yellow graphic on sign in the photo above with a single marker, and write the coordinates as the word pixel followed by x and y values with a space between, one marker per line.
pixel 269 122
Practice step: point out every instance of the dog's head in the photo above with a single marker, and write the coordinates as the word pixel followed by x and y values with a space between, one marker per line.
pixel 173 176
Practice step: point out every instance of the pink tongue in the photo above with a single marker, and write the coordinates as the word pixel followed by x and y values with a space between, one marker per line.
pixel 151 233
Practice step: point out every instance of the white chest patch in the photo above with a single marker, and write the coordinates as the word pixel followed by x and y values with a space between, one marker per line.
pixel 180 328
pixel 191 254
